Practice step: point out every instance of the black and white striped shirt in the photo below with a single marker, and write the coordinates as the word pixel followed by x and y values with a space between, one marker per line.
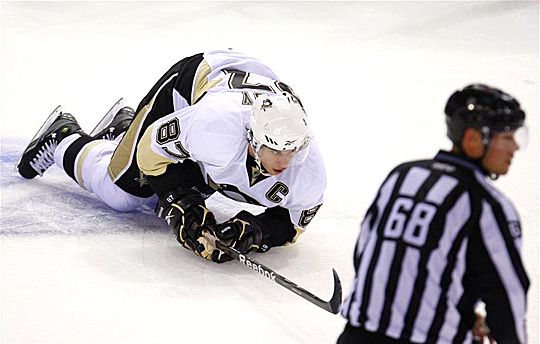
pixel 438 238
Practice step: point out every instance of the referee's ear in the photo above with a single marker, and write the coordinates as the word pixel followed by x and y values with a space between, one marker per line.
pixel 471 143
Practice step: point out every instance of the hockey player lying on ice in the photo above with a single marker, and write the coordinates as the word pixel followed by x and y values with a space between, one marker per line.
pixel 218 121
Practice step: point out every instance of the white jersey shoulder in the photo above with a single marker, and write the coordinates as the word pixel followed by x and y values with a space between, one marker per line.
pixel 213 128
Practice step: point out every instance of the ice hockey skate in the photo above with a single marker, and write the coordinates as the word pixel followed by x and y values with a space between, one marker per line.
pixel 114 123
pixel 39 155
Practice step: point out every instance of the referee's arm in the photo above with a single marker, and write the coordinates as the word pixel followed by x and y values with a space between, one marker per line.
pixel 498 277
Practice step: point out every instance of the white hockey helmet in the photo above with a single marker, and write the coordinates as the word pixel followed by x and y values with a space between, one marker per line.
pixel 279 122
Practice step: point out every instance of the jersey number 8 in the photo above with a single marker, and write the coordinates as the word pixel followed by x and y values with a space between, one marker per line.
pixel 169 132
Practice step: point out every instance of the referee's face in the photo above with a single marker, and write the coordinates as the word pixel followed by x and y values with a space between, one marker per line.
pixel 500 153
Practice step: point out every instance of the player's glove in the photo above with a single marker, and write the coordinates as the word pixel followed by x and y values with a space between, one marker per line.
pixel 187 214
pixel 243 233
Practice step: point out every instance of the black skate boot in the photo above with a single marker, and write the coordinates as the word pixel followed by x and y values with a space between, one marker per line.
pixel 114 123
pixel 39 155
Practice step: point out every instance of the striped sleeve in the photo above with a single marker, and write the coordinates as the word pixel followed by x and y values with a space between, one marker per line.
pixel 501 276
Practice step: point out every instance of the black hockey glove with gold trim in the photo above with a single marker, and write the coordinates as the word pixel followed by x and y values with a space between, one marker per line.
pixel 187 214
pixel 243 233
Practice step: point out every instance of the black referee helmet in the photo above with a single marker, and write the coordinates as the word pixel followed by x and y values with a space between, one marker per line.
pixel 485 108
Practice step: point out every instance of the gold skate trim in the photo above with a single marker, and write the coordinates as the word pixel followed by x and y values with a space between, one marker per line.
pixel 201 84
pixel 81 158
pixel 150 163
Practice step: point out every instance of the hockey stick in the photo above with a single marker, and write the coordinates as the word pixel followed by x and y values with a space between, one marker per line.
pixel 331 306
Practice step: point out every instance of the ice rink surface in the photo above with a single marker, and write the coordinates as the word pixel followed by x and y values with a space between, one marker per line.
pixel 374 78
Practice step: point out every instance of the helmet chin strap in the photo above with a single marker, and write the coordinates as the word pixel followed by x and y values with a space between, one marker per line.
pixel 486 139
pixel 493 176
pixel 485 132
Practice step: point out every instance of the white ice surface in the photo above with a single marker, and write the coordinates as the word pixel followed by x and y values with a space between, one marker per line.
pixel 374 78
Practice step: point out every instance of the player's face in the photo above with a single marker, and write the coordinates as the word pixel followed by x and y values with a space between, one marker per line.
pixel 500 153
pixel 275 162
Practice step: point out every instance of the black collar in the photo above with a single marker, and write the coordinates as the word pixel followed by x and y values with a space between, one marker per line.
pixel 461 160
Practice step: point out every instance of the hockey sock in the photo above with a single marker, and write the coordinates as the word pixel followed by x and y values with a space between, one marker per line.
pixel 72 152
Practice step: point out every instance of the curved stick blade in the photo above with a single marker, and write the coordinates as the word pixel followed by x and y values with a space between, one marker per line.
pixel 335 301
pixel 332 306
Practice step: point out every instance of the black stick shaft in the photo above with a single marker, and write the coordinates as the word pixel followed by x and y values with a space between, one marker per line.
pixel 331 306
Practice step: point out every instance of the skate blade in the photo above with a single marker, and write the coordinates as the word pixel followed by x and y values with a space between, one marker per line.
pixel 108 118
pixel 52 117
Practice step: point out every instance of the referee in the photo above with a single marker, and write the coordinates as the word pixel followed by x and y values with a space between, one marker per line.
pixel 439 238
